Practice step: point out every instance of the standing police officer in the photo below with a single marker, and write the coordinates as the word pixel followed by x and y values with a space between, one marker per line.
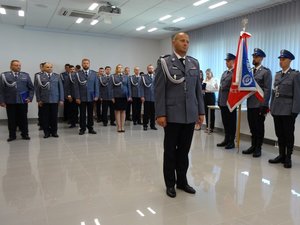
pixel 256 110
pixel 16 91
pixel 64 78
pixel 86 92
pixel 285 106
pixel 136 96
pixel 179 104
pixel 49 92
pixel 228 118
pixel 70 92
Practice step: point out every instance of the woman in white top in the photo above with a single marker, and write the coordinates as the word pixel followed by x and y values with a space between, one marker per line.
pixel 210 86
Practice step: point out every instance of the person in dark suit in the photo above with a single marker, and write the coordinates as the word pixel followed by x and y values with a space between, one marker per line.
pixel 16 91
pixel 121 94
pixel 285 106
pixel 86 92
pixel 147 97
pixel 178 104
pixel 256 110
pixel 49 93
pixel 228 118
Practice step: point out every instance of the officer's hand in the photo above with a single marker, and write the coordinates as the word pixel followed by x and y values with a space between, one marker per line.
pixel 70 99
pixel 130 99
pixel 61 103
pixel 40 103
pixel 78 101
pixel 113 100
pixel 200 120
pixel 96 99
pixel 3 105
pixel 142 99
pixel 162 121
pixel 101 99
pixel 28 100
pixel 263 110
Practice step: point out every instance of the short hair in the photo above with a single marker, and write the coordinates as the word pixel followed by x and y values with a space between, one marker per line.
pixel 78 67
pixel 149 65
pixel 142 73
pixel 85 59
pixel 177 34
pixel 13 61
pixel 117 67
pixel 107 67
pixel 71 66
pixel 67 65
pixel 42 64
pixel 101 68
pixel 126 68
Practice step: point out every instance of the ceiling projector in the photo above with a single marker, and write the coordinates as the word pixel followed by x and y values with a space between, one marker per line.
pixel 110 9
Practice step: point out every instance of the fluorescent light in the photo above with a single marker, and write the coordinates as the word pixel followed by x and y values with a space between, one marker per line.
pixel 217 5
pixel 94 22
pixel 140 28
pixel 139 212
pixel 265 181
pixel 97 221
pixel 200 2
pixel 21 13
pixel 152 29
pixel 295 193
pixel 165 17
pixel 79 20
pixel 93 6
pixel 246 173
pixel 2 11
pixel 178 19
pixel 151 210
pixel 82 223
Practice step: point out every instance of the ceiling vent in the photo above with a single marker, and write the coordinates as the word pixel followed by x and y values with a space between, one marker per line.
pixel 10 7
pixel 76 13
pixel 172 29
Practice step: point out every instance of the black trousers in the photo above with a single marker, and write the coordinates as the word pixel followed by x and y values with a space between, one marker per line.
pixel 229 121
pixel 86 115
pixel 39 116
pixel 256 123
pixel 284 129
pixel 177 143
pixel 136 109
pixel 128 110
pixel 17 116
pixel 73 112
pixel 66 110
pixel 210 99
pixel 149 114
pixel 49 117
pixel 105 105
pixel 99 110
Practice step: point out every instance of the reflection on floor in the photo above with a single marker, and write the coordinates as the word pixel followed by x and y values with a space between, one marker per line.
pixel 116 179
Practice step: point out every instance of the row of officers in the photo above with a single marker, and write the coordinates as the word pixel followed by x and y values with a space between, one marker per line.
pixel 80 90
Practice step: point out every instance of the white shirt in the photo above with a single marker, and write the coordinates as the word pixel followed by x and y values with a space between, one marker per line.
pixel 211 85
pixel 286 70
pixel 179 57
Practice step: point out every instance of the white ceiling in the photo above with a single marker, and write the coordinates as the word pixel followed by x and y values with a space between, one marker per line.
pixel 44 15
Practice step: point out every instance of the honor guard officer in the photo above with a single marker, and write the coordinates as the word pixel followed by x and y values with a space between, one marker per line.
pixel 39 113
pixel 129 104
pixel 147 97
pixel 86 92
pixel 49 92
pixel 16 91
pixel 99 102
pixel 136 96
pixel 179 104
pixel 256 110
pixel 64 76
pixel 70 92
pixel 285 106
pixel 106 97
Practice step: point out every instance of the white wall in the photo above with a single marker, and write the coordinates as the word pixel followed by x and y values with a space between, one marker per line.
pixel 32 47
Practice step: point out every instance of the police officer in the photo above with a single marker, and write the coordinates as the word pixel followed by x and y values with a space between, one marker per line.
pixel 64 76
pixel 179 104
pixel 135 80
pixel 147 97
pixel 285 106
pixel 49 92
pixel 16 91
pixel 86 92
pixel 228 118
pixel 70 92
pixel 106 97
pixel 39 113
pixel 256 110
pixel 99 102
pixel 129 104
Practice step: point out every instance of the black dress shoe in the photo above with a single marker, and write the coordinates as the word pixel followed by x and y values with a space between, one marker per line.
pixel 139 123
pixel 105 124
pixel 134 123
pixel 55 135
pixel 249 150
pixel 92 132
pixel 187 188
pixel 72 126
pixel 145 128
pixel 288 162
pixel 257 152
pixel 153 128
pixel 171 192
pixel 230 145
pixel 25 137
pixel 11 139
pixel 81 132
pixel 46 135
pixel 40 128
pixel 278 159
pixel 222 144
pixel 113 124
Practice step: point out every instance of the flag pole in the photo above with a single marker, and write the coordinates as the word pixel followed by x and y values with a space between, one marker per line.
pixel 238 132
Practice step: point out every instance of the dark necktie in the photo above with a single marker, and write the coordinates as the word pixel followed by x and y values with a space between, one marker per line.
pixel 254 71
pixel 86 74
pixel 182 61
pixel 282 75
pixel 16 75
pixel 49 75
